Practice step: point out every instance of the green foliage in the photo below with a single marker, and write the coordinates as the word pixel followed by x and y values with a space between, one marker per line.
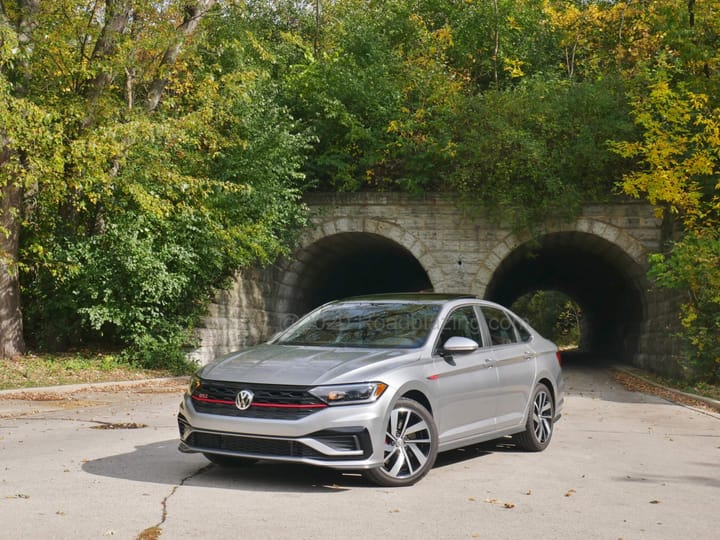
pixel 552 313
pixel 141 214
pixel 539 151
pixel 377 92
pixel 498 43
pixel 679 154
pixel 459 97
pixel 693 266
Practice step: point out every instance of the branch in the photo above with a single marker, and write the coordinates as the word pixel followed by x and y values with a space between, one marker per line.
pixel 27 21
pixel 117 15
pixel 194 12
pixel 26 24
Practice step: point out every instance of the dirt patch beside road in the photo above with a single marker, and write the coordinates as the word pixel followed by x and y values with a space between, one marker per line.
pixel 635 383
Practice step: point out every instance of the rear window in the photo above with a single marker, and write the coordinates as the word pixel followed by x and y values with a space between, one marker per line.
pixel 502 330
pixel 523 332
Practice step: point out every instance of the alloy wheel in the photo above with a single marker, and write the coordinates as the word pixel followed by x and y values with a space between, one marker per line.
pixel 542 416
pixel 408 443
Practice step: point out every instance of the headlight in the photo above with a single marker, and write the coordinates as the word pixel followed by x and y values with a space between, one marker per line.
pixel 194 384
pixel 348 394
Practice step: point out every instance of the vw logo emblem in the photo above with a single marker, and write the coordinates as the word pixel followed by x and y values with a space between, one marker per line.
pixel 244 399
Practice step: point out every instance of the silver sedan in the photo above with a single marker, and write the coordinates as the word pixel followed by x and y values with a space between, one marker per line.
pixel 379 384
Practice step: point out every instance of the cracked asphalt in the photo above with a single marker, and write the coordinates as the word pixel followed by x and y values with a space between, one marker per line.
pixel 103 462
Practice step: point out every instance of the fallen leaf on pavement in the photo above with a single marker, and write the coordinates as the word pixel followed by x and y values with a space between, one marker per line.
pixel 18 496
pixel 151 533
pixel 503 504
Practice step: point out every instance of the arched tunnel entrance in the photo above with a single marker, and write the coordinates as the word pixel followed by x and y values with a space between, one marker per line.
pixel 350 264
pixel 606 283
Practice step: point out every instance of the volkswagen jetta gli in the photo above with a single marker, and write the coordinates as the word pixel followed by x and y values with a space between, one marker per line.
pixel 379 384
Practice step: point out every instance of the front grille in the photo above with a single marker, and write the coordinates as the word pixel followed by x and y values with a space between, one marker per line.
pixel 251 445
pixel 347 440
pixel 270 401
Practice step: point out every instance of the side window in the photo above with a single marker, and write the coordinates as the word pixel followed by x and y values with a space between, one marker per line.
pixel 501 327
pixel 462 323
pixel 525 335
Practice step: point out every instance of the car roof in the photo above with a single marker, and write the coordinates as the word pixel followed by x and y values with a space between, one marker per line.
pixel 429 297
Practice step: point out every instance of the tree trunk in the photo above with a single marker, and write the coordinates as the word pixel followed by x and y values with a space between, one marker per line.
pixel 11 324
pixel 12 342
pixel 117 16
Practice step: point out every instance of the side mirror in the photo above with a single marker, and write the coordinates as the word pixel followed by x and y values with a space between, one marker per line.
pixel 460 344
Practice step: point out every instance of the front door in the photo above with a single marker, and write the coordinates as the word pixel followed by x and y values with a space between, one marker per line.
pixel 466 382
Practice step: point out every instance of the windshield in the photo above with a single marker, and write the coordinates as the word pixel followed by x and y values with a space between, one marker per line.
pixel 376 325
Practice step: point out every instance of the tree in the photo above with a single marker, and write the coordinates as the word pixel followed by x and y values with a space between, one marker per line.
pixel 26 155
pixel 538 151
pixel 552 313
pixel 160 177
pixel 62 56
pixel 675 104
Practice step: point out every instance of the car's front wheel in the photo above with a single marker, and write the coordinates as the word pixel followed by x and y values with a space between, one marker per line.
pixel 411 443
pixel 229 461
pixel 539 425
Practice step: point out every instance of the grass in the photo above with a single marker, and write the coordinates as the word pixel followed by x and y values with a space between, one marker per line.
pixel 38 370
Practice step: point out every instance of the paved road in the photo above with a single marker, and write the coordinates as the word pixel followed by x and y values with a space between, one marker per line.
pixel 621 465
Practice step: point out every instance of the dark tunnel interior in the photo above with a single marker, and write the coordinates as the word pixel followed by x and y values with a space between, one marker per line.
pixel 351 264
pixel 605 282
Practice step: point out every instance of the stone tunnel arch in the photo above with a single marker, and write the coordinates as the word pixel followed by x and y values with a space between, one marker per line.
pixel 598 266
pixel 343 257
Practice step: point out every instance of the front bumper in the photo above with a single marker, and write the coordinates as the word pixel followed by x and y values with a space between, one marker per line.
pixel 341 437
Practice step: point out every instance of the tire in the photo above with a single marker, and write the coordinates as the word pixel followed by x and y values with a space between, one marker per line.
pixel 539 424
pixel 411 443
pixel 229 461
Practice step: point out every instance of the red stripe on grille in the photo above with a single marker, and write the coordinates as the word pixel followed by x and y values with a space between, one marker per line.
pixel 290 406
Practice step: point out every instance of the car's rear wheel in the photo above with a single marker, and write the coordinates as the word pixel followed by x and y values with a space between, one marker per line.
pixel 539 425
pixel 410 445
pixel 229 461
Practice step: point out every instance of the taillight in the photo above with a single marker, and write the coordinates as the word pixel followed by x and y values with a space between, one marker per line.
pixel 559 357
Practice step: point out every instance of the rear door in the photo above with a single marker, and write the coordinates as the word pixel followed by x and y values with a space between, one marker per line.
pixel 466 382
pixel 514 365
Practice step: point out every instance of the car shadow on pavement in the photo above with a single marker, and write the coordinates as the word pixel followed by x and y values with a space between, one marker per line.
pixel 459 455
pixel 161 463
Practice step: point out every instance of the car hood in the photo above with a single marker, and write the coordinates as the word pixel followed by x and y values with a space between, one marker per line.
pixel 306 366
